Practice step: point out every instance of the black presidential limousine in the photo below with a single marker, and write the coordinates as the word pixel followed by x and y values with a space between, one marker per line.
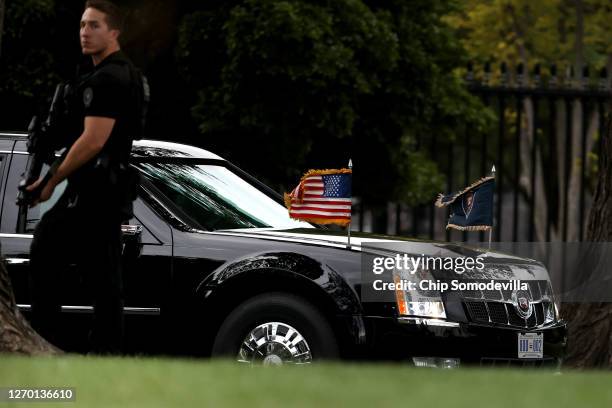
pixel 213 265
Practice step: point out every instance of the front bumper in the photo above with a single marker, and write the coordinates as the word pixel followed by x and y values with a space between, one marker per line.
pixel 393 339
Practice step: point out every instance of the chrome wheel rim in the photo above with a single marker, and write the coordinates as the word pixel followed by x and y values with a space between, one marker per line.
pixel 274 344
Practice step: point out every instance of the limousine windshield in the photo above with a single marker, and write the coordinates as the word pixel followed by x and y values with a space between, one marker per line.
pixel 215 197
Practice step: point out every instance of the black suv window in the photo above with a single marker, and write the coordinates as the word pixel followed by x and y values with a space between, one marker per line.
pixel 10 210
pixel 36 213
pixel 3 161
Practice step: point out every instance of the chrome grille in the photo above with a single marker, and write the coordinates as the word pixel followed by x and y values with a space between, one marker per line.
pixel 478 311
pixel 539 312
pixel 498 312
pixel 497 307
pixel 492 294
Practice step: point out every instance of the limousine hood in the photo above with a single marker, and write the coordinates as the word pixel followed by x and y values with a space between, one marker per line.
pixel 498 265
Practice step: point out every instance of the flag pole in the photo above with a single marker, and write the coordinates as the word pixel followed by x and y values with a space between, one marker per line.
pixel 348 237
pixel 491 229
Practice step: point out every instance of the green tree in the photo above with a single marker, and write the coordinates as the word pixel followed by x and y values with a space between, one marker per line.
pixel 26 69
pixel 306 84
pixel 570 33
pixel 544 31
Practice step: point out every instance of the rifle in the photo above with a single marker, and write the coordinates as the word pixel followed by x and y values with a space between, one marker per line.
pixel 43 140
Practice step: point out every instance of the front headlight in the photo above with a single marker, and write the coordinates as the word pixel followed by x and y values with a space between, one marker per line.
pixel 417 302
pixel 551 311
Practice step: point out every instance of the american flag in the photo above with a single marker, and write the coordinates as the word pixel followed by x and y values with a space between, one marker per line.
pixel 322 197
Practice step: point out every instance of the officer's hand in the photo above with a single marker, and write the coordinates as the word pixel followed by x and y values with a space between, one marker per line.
pixel 34 184
pixel 32 187
pixel 45 194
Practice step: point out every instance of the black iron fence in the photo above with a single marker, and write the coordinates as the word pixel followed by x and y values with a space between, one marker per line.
pixel 545 148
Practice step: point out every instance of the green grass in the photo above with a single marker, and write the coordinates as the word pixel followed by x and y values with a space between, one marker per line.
pixel 156 382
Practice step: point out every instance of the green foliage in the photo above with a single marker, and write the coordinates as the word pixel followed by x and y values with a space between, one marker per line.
pixel 27 70
pixel 544 30
pixel 284 86
pixel 306 84
pixel 598 35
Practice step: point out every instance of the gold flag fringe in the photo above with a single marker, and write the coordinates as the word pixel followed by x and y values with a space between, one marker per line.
pixel 478 182
pixel 469 228
pixel 323 172
pixel 287 199
pixel 342 223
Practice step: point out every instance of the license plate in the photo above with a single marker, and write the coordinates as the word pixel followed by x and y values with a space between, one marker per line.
pixel 530 345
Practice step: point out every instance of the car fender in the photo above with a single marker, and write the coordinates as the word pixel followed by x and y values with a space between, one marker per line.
pixel 287 265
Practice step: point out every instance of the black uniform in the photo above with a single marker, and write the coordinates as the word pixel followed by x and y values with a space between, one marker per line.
pixel 84 226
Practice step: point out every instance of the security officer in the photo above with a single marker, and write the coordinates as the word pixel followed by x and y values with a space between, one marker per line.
pixel 84 226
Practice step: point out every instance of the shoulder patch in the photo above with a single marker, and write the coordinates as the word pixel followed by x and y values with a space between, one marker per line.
pixel 87 96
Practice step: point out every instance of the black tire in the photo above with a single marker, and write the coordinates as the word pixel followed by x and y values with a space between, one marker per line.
pixel 276 307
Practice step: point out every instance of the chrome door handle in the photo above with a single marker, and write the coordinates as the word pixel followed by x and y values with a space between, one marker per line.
pixel 17 261
pixel 131 230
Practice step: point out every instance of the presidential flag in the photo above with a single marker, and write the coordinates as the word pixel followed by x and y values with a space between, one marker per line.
pixel 322 197
pixel 471 209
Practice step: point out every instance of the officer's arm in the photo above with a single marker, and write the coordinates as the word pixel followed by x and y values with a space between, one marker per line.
pixel 92 140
